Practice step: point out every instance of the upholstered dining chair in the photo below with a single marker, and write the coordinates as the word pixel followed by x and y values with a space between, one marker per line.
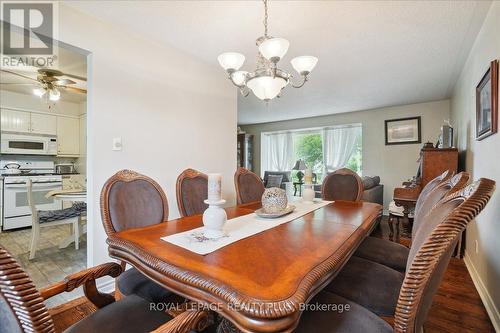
pixel 342 184
pixel 378 286
pixel 131 200
pixel 192 190
pixel 249 187
pixel 433 246
pixel 22 307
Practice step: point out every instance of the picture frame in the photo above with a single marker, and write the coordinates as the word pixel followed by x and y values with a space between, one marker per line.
pixel 487 103
pixel 403 131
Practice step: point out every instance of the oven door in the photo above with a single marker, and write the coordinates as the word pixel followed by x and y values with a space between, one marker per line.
pixel 16 198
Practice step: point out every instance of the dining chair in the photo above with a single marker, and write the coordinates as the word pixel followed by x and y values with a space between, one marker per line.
pixel 393 254
pixel 433 246
pixel 342 184
pixel 51 218
pixel 23 309
pixel 131 200
pixel 192 190
pixel 249 187
pixel 378 286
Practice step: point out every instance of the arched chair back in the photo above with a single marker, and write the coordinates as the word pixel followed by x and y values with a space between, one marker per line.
pixel 22 307
pixel 432 249
pixel 342 184
pixel 430 186
pixel 433 196
pixel 249 186
pixel 192 190
pixel 131 200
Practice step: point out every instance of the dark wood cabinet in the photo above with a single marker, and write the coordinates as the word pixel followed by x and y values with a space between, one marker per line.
pixel 244 151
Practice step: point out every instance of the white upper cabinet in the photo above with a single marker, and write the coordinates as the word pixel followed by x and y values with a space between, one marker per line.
pixel 15 121
pixel 68 136
pixel 43 124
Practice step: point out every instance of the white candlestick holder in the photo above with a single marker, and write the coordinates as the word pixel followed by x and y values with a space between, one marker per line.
pixel 214 219
pixel 308 193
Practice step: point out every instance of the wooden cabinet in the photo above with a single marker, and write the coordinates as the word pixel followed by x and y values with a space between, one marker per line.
pixel 68 136
pixel 43 124
pixel 15 121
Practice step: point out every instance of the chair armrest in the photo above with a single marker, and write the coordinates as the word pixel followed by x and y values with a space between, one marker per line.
pixel 86 278
pixel 189 320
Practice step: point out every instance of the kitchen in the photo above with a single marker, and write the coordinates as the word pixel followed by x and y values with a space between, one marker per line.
pixel 43 168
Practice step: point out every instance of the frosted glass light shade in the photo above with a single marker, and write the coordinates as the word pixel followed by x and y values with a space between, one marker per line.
pixel 231 61
pixel 239 77
pixel 304 64
pixel 39 92
pixel 266 87
pixel 54 95
pixel 274 48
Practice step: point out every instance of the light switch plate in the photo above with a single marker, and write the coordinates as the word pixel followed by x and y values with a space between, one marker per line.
pixel 117 144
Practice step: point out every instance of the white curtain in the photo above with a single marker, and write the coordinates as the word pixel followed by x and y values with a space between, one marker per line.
pixel 280 152
pixel 339 144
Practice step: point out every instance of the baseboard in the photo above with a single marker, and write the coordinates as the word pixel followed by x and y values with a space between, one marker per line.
pixel 483 293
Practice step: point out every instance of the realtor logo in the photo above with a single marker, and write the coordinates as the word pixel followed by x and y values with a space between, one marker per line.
pixel 28 33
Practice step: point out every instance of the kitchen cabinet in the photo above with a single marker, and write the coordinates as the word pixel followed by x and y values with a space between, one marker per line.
pixel 15 121
pixel 43 124
pixel 68 136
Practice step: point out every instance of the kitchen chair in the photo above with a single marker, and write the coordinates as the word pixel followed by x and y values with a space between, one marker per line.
pixel 50 218
pixel 376 286
pixel 249 187
pixel 342 184
pixel 22 307
pixel 433 246
pixel 192 190
pixel 131 200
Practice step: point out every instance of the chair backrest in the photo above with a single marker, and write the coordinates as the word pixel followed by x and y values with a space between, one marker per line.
pixel 429 187
pixel 249 186
pixel 342 184
pixel 131 200
pixel 432 249
pixel 433 196
pixel 192 190
pixel 21 306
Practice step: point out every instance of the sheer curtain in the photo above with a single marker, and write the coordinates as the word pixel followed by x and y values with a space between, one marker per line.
pixel 338 146
pixel 280 152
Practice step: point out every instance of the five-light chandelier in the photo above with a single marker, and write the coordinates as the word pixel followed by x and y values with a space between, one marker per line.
pixel 267 81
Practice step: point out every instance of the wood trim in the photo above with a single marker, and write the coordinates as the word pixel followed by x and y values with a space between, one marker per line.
pixel 474 198
pixel 186 174
pixel 126 176
pixel 493 74
pixel 344 172
pixel 240 172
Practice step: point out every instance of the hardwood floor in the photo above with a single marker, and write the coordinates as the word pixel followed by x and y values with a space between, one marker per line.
pixel 456 308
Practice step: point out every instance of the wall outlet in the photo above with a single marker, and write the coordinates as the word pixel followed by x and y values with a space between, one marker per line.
pixel 476 246
pixel 117 144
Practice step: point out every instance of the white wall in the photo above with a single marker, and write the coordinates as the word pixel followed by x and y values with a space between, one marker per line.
pixel 394 164
pixel 482 159
pixel 171 111
pixel 9 99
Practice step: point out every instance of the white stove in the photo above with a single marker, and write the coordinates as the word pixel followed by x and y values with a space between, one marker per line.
pixel 16 211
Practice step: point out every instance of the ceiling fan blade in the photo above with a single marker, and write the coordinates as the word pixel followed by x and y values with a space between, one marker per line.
pixel 63 82
pixel 81 78
pixel 20 75
pixel 74 89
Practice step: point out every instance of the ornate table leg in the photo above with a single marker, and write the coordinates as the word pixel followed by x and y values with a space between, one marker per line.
pixel 406 225
pixel 391 227
pixel 227 327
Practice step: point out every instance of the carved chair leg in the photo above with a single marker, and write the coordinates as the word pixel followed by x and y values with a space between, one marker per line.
pixel 391 226
pixel 398 230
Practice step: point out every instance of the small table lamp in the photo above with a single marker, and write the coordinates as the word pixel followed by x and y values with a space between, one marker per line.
pixel 300 165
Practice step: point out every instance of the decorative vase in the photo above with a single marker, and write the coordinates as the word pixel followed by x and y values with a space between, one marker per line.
pixel 274 200
pixel 308 193
pixel 214 219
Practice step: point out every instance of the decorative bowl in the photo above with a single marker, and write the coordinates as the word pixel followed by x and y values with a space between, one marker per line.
pixel 274 200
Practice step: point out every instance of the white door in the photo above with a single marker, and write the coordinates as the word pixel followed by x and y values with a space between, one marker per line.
pixel 43 124
pixel 15 121
pixel 68 136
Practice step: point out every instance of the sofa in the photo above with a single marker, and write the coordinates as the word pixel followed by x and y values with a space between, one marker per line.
pixel 286 177
pixel 373 191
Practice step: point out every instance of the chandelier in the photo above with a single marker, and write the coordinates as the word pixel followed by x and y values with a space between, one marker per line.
pixel 267 81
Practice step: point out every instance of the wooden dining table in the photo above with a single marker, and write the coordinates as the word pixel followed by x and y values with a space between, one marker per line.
pixel 258 283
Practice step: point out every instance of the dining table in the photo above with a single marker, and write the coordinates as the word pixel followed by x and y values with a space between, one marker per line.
pixel 259 283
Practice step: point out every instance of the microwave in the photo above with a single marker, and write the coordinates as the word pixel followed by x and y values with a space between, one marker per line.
pixel 28 144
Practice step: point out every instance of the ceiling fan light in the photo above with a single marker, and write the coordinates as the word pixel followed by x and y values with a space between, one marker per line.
pixel 304 64
pixel 231 61
pixel 54 95
pixel 39 92
pixel 266 87
pixel 274 49
pixel 239 77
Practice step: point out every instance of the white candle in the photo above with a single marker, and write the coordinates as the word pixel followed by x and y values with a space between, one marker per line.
pixel 308 176
pixel 214 187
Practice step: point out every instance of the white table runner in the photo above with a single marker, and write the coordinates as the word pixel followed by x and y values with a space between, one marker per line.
pixel 238 228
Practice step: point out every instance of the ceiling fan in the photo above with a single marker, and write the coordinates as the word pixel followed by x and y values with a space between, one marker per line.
pixel 48 83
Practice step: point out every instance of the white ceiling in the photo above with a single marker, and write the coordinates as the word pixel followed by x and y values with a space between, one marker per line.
pixel 371 53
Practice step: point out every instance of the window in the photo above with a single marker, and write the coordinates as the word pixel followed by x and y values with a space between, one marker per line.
pixel 322 149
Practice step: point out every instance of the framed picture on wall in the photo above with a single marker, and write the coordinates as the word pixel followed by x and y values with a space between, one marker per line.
pixel 487 103
pixel 403 131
